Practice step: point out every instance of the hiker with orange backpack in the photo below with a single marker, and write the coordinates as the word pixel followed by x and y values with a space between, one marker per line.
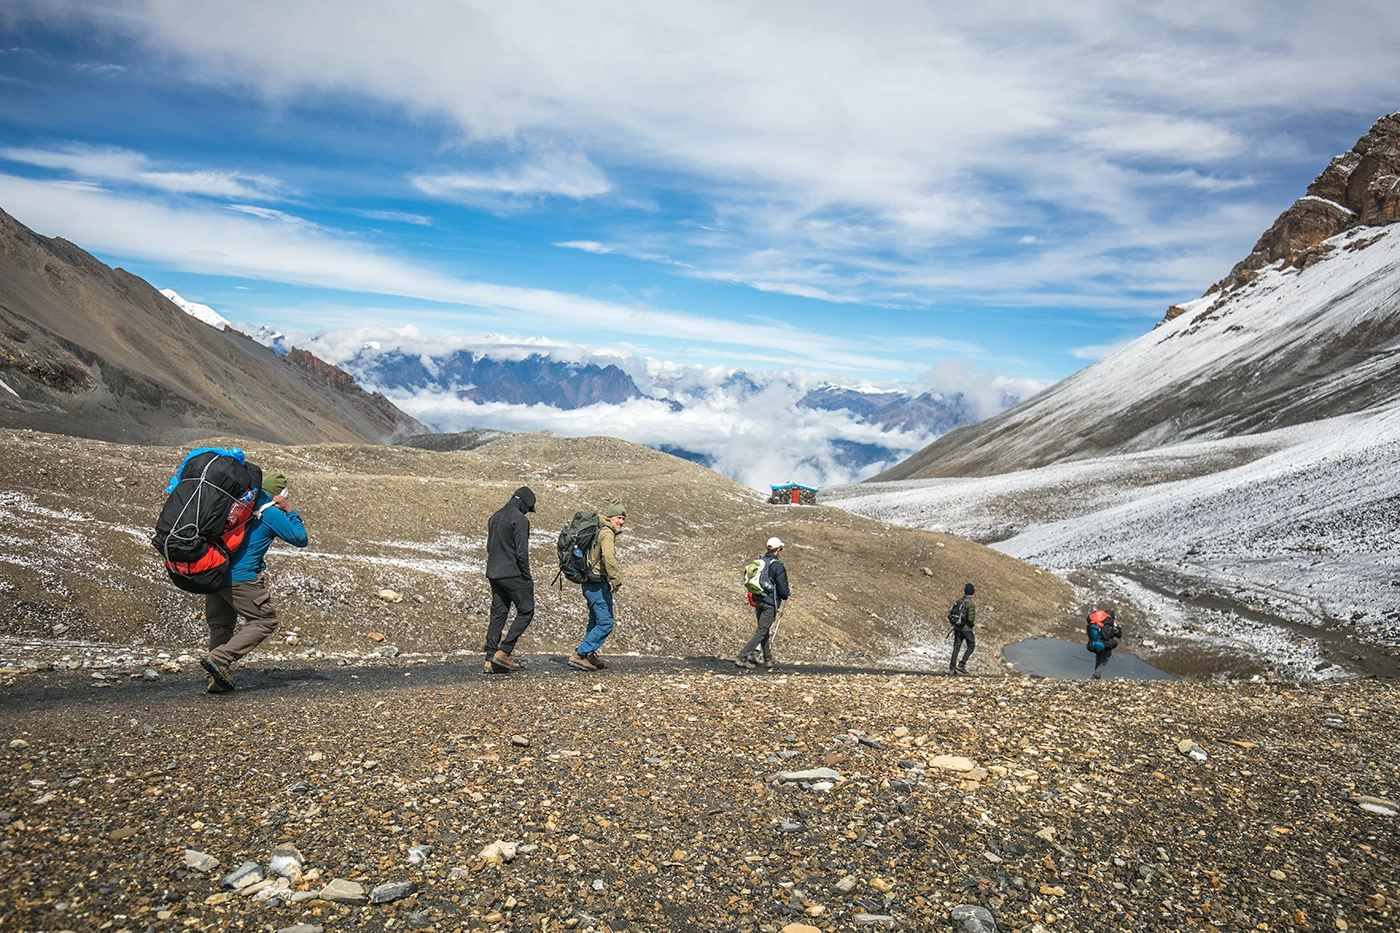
pixel 1103 633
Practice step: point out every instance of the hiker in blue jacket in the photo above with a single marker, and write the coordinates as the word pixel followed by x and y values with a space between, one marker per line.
pixel 247 594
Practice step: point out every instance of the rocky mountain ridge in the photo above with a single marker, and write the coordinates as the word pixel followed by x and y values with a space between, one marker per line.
pixel 96 351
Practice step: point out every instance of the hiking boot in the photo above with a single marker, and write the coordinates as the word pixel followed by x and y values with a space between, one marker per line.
pixel 581 663
pixel 952 672
pixel 746 663
pixel 768 663
pixel 962 668
pixel 217 672
pixel 596 661
pixel 504 661
pixel 214 687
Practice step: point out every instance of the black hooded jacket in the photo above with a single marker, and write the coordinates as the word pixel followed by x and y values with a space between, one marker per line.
pixel 508 538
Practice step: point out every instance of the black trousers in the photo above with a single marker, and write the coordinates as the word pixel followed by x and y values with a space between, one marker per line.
pixel 1100 662
pixel 512 591
pixel 763 636
pixel 959 637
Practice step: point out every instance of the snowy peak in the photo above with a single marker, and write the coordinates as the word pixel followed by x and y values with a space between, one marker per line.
pixel 196 310
pixel 1359 188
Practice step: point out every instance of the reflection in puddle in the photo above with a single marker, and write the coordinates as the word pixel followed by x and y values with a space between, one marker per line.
pixel 1068 660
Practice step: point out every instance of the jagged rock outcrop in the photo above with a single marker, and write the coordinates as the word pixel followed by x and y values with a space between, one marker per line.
pixel 1360 187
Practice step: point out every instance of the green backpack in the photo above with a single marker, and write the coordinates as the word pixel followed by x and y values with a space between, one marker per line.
pixel 575 541
pixel 756 579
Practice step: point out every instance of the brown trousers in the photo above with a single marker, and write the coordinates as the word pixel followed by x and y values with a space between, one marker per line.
pixel 253 602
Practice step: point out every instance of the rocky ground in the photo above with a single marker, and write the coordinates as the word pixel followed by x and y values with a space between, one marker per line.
pixel 649 798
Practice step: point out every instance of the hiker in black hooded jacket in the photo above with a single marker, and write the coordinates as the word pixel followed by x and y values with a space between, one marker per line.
pixel 508 570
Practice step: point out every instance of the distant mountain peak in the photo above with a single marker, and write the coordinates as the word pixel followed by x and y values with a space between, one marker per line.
pixel 196 310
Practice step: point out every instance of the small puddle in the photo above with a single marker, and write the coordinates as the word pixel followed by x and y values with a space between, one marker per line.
pixel 1068 660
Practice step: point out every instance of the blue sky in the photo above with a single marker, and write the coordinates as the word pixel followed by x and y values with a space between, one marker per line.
pixel 865 191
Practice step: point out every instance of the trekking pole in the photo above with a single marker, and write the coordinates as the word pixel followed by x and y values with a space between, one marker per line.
pixel 773 634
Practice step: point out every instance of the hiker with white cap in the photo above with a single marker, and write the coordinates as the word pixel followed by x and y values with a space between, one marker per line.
pixel 766 580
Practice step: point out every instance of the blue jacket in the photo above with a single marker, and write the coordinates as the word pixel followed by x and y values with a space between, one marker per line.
pixel 271 524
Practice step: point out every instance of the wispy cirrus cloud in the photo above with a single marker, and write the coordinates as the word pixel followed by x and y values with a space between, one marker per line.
pixel 550 176
pixel 587 246
pixel 125 166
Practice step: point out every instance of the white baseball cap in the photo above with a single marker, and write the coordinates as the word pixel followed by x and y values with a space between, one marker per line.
pixel 774 544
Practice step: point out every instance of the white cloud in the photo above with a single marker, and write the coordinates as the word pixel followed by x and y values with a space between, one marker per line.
pixel 758 442
pixel 399 217
pixel 588 246
pixel 124 165
pixel 267 213
pixel 200 238
pixel 101 69
pixel 573 177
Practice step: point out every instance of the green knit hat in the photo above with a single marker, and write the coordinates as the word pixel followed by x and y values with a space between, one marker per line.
pixel 615 508
pixel 274 484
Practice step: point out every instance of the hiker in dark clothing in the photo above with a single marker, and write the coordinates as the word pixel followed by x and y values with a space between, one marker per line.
pixel 508 570
pixel 1103 632
pixel 963 616
pixel 766 603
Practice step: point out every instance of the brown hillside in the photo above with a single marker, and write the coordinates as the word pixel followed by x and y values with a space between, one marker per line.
pixel 77 515
pixel 97 352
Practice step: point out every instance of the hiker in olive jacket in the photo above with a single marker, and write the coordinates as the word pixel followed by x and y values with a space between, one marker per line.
pixel 508 572
pixel 602 559
pixel 965 611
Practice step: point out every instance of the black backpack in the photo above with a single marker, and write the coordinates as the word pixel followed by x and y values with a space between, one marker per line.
pixel 957 615
pixel 205 519
pixel 575 541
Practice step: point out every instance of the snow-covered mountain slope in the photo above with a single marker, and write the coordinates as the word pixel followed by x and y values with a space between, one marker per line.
pixel 196 310
pixel 1299 524
pixel 1292 346
pixel 1306 327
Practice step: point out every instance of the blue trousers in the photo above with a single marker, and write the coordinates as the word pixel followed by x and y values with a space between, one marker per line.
pixel 600 617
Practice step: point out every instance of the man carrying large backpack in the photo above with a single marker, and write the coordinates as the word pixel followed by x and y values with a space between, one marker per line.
pixel 963 617
pixel 773 591
pixel 602 563
pixel 1101 628
pixel 247 594
pixel 508 571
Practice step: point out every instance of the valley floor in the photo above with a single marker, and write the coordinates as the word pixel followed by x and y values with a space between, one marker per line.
pixel 647 802
pixel 1270 552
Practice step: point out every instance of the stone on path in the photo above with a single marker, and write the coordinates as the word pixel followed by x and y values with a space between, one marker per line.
pixel 812 774
pixel 303 928
pixel 500 851
pixel 800 928
pixel 1378 805
pixel 847 884
pixel 244 875
pixel 391 891
pixel 340 891
pixel 875 920
pixel 417 855
pixel 389 596
pixel 973 919
pixel 199 861
pixel 519 741
pixel 1191 750
pixel 952 763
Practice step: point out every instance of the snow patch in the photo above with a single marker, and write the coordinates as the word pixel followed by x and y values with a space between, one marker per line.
pixel 198 311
